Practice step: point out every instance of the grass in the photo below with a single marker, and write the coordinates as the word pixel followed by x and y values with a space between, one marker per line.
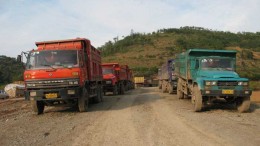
pixel 2 87
pixel 254 85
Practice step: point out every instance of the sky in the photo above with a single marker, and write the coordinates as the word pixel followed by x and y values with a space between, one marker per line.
pixel 24 22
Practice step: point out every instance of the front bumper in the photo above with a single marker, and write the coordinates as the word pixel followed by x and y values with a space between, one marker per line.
pixel 236 93
pixel 62 94
pixel 108 87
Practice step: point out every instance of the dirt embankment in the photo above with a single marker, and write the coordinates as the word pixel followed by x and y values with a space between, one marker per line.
pixel 255 97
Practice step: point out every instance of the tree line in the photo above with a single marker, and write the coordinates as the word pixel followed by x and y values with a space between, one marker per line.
pixel 10 70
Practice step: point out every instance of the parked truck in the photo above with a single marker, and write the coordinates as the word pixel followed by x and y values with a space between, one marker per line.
pixel 64 72
pixel 167 77
pixel 209 76
pixel 117 78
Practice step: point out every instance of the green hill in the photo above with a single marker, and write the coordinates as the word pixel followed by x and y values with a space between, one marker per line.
pixel 10 70
pixel 144 53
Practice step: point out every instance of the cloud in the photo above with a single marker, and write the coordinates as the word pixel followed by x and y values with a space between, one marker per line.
pixel 25 22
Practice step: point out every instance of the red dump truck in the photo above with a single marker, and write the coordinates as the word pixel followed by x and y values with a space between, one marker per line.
pixel 117 78
pixel 66 72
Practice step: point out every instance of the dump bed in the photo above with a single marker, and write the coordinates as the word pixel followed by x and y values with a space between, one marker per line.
pixel 167 70
pixel 93 61
pixel 123 73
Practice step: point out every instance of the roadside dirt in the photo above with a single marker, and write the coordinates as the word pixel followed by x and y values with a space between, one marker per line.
pixel 255 97
pixel 143 116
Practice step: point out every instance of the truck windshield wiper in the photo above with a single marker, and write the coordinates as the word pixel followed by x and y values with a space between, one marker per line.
pixel 48 66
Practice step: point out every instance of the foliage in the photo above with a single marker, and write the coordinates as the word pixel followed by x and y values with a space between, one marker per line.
pixel 145 51
pixel 145 71
pixel 10 70
pixel 254 85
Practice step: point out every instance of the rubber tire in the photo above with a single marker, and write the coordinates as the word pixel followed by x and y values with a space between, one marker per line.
pixel 243 104
pixel 115 90
pixel 38 106
pixel 98 98
pixel 170 88
pixel 164 89
pixel 197 97
pixel 122 89
pixel 83 101
pixel 160 85
pixel 180 94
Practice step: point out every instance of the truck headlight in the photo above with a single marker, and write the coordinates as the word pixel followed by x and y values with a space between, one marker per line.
pixel 211 83
pixel 73 82
pixel 243 83
pixel 108 82
pixel 31 85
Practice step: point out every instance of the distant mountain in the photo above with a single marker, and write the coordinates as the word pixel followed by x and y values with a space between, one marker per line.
pixel 146 52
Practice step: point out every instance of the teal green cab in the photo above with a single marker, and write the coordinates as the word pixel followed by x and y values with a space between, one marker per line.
pixel 208 75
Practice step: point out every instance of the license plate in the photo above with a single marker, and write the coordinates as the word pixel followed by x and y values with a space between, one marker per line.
pixel 51 95
pixel 227 91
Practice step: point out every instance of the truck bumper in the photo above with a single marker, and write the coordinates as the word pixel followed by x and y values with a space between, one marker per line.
pixel 108 87
pixel 62 94
pixel 236 93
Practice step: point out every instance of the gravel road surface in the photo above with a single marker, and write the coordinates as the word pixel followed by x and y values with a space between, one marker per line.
pixel 143 116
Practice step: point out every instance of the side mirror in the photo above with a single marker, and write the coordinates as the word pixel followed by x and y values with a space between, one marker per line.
pixel 19 58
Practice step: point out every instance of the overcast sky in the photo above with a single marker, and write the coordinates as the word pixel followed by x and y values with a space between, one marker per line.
pixel 23 22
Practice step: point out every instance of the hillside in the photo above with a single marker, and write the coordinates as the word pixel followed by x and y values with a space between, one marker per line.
pixel 144 53
pixel 10 70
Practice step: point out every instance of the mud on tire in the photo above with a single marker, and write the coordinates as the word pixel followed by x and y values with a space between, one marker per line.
pixel 243 104
pixel 197 99
pixel 83 101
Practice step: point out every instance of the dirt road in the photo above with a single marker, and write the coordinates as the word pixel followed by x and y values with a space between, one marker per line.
pixel 143 116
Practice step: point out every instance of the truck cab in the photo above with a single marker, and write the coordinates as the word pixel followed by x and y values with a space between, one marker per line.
pixel 111 77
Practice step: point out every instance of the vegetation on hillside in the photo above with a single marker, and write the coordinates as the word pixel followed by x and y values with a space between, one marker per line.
pixel 10 70
pixel 146 52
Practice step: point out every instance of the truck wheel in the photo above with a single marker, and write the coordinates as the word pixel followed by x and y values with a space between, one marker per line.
pixel 83 101
pixel 170 89
pixel 197 99
pixel 164 89
pixel 38 107
pixel 115 90
pixel 243 104
pixel 180 94
pixel 99 96
pixel 122 89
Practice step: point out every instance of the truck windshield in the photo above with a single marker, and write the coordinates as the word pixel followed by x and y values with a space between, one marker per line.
pixel 217 63
pixel 107 71
pixel 52 59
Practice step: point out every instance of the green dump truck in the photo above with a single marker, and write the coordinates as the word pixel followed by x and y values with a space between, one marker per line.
pixel 209 76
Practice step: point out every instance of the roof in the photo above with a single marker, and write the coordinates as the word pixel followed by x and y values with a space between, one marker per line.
pixel 56 41
pixel 211 51
pixel 109 64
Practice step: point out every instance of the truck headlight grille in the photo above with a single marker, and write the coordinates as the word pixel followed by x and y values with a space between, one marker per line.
pixel 243 83
pixel 52 83
pixel 210 83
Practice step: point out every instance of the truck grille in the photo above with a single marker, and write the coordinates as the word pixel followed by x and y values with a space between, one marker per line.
pixel 56 83
pixel 227 83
